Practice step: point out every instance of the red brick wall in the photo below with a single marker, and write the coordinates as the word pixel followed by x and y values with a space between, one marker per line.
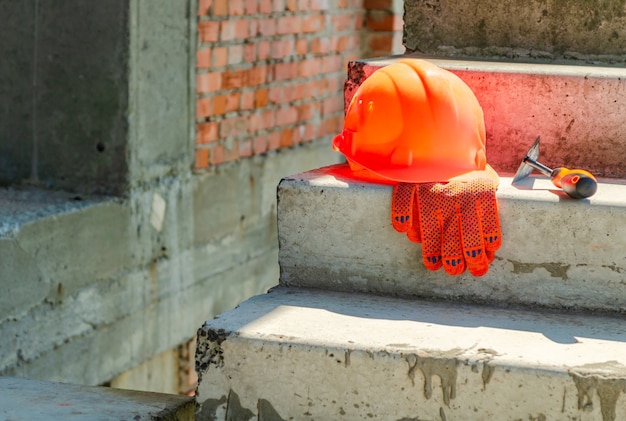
pixel 383 24
pixel 270 73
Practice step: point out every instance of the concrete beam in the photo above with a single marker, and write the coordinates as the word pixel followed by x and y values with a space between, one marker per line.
pixel 335 233
pixel 120 281
pixel 297 353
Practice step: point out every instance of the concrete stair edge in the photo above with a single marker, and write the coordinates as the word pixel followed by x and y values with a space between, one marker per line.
pixel 328 355
pixel 335 233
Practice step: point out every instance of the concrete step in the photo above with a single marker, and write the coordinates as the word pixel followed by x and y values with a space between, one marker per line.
pixel 577 109
pixel 33 400
pixel 312 354
pixel 335 233
pixel 576 28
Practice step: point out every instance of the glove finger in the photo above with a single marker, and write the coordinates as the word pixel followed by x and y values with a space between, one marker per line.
pixel 452 249
pixel 414 234
pixel 490 219
pixel 472 231
pixel 402 206
pixel 431 223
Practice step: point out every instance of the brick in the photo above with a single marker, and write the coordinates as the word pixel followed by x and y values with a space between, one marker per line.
pixel 344 43
pixel 206 132
pixel 380 42
pixel 305 111
pixel 203 7
pixel 234 29
pixel 292 5
pixel 217 155
pixel 203 58
pixel 232 101
pixel 253 28
pixel 332 64
pixel 265 6
pixel 282 48
pixel 344 22
pixel 312 23
pixel 332 105
pixel 286 116
pixel 233 126
pixel 236 7
pixel 235 54
pixel 257 75
pixel 220 8
pixel 208 82
pixel 259 144
pixel 249 53
pixel 263 50
pixel 302 46
pixel 247 100
pixel 208 31
pixel 383 21
pixel 267 27
pixel 203 108
pixel 378 4
pixel 260 121
pixel 320 45
pixel 279 6
pixel 284 71
pixel 251 7
pixel 202 158
pixel 273 141
pixel 319 4
pixel 218 105
pixel 330 126
pixel 260 98
pixel 310 67
pixel 290 24
pixel 234 79
pixel 269 119
pixel 220 56
pixel 275 94
pixel 286 138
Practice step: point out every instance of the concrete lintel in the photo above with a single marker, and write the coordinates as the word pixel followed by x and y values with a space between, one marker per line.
pixel 335 233
pixel 576 109
pixel 35 400
pixel 298 353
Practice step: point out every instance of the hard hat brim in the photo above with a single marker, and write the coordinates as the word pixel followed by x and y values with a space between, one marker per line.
pixel 430 174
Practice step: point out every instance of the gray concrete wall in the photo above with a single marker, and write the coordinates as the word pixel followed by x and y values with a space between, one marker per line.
pixel 64 102
pixel 549 29
pixel 91 286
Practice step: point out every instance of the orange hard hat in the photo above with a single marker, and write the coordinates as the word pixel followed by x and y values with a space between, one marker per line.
pixel 415 122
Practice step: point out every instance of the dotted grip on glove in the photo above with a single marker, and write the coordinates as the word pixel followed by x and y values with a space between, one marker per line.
pixel 457 223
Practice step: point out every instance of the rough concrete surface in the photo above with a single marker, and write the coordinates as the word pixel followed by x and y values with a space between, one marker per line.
pixel 34 400
pixel 312 354
pixel 545 29
pixel 577 110
pixel 335 233
pixel 65 77
pixel 107 290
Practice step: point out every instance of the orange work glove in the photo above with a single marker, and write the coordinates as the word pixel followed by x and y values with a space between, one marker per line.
pixel 456 222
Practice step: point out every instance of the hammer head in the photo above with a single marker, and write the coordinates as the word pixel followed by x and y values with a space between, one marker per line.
pixel 524 169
